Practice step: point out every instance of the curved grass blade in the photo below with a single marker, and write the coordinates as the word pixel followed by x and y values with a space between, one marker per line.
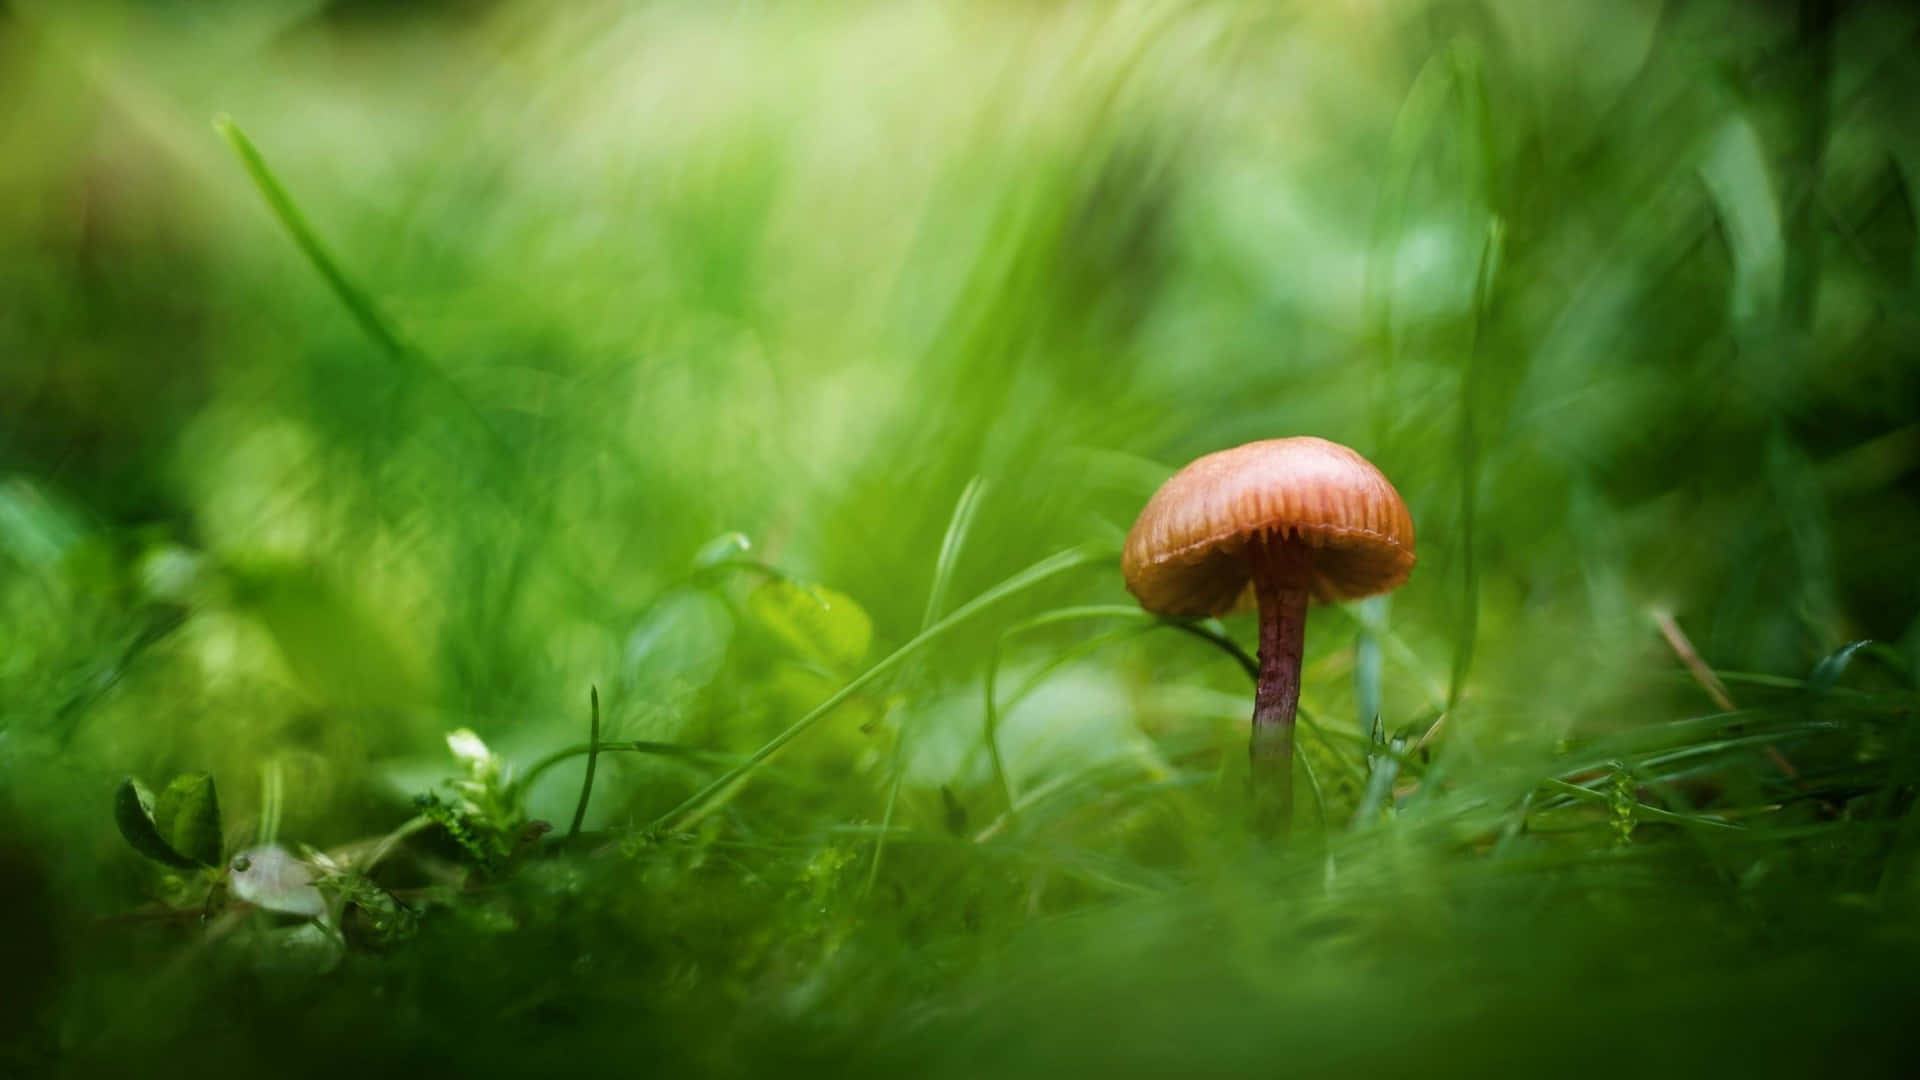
pixel 1307 723
pixel 991 720
pixel 1470 466
pixel 357 303
pixel 958 526
pixel 1054 663
pixel 593 759
pixel 1416 121
pixel 1367 660
pixel 1127 612
pixel 1828 671
pixel 702 802
pixel 950 547
pixel 1649 813
pixel 633 746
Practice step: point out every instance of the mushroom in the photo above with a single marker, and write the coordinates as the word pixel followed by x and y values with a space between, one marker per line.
pixel 1296 518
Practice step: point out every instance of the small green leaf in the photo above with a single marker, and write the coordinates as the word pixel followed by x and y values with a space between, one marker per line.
pixel 1828 671
pixel 133 812
pixel 187 816
pixel 818 623
pixel 723 548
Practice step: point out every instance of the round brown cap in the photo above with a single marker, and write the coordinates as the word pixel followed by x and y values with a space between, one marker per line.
pixel 1185 556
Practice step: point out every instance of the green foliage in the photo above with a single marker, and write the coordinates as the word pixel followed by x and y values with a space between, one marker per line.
pixel 133 813
pixel 483 816
pixel 181 828
pixel 187 817
pixel 449 375
pixel 371 918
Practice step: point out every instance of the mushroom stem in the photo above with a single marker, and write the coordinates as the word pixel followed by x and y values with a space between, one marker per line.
pixel 1282 570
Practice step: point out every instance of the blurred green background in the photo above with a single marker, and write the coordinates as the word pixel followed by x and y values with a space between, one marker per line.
pixel 1622 296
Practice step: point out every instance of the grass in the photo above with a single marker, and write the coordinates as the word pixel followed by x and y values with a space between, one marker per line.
pixel 782 381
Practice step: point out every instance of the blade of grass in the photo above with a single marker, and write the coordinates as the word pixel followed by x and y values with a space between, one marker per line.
pixel 1383 768
pixel 950 547
pixel 1064 791
pixel 357 303
pixel 377 327
pixel 1221 641
pixel 1690 658
pixel 1811 131
pixel 1469 449
pixel 1475 132
pixel 273 783
pixel 365 312
pixel 387 844
pixel 1415 123
pixel 634 746
pixel 990 723
pixel 1394 647
pixel 1651 813
pixel 1371 615
pixel 958 526
pixel 702 802
pixel 593 759
pixel 1682 647
pixel 1306 722
pixel 1656 768
pixel 1147 621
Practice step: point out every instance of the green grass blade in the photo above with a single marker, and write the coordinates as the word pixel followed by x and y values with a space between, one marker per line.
pixel 1650 813
pixel 593 760
pixel 631 746
pixel 1367 660
pixel 1415 123
pixel 991 721
pixel 1469 450
pixel 950 547
pixel 365 312
pixel 951 544
pixel 1383 768
pixel 700 803
pixel 356 301
pixel 1306 723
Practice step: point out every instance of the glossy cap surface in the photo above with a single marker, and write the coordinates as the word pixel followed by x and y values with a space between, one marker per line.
pixel 1185 553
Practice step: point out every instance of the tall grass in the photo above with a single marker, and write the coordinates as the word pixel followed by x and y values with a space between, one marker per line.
pixel 790 373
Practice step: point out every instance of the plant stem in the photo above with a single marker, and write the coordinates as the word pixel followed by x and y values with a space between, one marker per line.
pixel 1281 571
pixel 593 759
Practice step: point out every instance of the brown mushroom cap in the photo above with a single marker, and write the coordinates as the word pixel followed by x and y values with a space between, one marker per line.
pixel 1184 555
